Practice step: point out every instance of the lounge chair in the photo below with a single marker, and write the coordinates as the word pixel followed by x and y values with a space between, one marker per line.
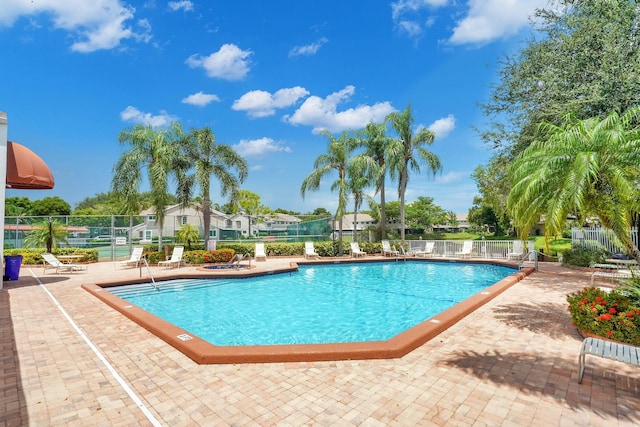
pixel 387 250
pixel 427 251
pixel 616 274
pixel 355 250
pixel 176 258
pixel 517 251
pixel 467 249
pixel 136 258
pixel 260 254
pixel 52 262
pixel 310 251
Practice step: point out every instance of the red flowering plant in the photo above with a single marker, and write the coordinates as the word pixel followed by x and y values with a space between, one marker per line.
pixel 207 257
pixel 608 315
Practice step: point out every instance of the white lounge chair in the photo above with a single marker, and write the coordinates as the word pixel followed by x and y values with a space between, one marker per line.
pixel 616 274
pixel 310 251
pixel 517 251
pixel 467 249
pixel 260 253
pixel 52 262
pixel 134 260
pixel 176 258
pixel 387 250
pixel 427 251
pixel 355 250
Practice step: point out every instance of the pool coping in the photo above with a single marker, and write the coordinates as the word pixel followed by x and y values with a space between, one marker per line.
pixel 203 352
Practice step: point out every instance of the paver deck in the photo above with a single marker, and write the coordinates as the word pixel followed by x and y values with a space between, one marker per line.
pixel 511 362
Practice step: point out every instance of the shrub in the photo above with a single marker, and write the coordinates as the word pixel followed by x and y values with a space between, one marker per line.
pixel 605 314
pixel 581 256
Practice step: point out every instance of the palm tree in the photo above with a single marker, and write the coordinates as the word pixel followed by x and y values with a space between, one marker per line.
pixel 187 234
pixel 377 145
pixel 407 154
pixel 157 152
pixel 48 233
pixel 362 171
pixel 336 159
pixel 210 159
pixel 581 166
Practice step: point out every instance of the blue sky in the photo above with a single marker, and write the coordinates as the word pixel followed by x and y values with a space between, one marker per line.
pixel 265 76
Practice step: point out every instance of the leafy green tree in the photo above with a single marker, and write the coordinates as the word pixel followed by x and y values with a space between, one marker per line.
pixel 584 167
pixel 482 216
pixel 17 206
pixel 584 58
pixel 452 219
pixel 423 213
pixel 188 234
pixel 50 206
pixel 336 159
pixel 155 151
pixel 408 155
pixel 210 159
pixel 378 146
pixel 47 233
pixel 362 173
pixel 250 203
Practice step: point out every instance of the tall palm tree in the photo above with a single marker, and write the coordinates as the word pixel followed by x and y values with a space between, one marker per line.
pixel 407 154
pixel 336 159
pixel 209 159
pixel 584 167
pixel 362 172
pixel 377 145
pixel 157 152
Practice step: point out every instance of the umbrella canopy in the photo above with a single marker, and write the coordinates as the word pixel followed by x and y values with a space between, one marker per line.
pixel 25 170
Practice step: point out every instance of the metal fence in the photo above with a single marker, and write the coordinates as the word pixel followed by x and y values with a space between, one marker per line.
pixel 600 238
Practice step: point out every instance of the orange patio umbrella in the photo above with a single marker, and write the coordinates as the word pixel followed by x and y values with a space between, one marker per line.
pixel 25 170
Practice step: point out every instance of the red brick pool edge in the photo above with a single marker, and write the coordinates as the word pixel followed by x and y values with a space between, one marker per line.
pixel 203 352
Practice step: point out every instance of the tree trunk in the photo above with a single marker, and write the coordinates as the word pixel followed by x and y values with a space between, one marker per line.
pixel 383 211
pixel 206 219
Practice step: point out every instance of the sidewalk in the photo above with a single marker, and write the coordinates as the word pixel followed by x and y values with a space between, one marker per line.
pixel 511 362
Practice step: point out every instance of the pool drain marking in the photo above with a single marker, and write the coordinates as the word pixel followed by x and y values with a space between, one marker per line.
pixel 434 321
pixel 185 337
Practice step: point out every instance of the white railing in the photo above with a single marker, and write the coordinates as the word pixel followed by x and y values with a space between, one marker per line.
pixel 491 249
pixel 600 238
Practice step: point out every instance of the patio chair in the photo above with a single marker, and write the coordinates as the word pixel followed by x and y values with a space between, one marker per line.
pixel 427 251
pixel 52 262
pixel 387 250
pixel 355 250
pixel 260 254
pixel 517 251
pixel 310 251
pixel 467 249
pixel 134 260
pixel 176 258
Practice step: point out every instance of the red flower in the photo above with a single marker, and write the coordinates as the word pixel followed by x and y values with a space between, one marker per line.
pixel 612 310
pixel 609 333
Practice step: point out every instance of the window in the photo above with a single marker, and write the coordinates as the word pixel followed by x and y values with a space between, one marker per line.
pixel 228 223
pixel 151 218
pixel 238 224
pixel 183 220
pixel 212 234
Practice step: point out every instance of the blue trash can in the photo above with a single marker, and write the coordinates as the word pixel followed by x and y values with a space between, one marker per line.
pixel 12 266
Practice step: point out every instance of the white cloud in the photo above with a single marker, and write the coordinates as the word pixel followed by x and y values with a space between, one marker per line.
pixel 258 147
pixel 323 114
pixel 200 99
pixel 452 177
pixel 185 5
pixel 259 103
pixel 94 25
pixel 407 17
pixel 310 49
pixel 228 63
pixel 133 115
pixel 442 127
pixel 489 20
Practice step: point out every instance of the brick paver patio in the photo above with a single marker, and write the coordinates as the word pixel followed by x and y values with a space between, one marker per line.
pixel 511 362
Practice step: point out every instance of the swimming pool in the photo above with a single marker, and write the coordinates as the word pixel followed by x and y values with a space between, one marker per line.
pixel 318 304
pixel 203 352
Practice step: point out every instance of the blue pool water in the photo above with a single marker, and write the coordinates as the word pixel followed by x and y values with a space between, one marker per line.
pixel 318 304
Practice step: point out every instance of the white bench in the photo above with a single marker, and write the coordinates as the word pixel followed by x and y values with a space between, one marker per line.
pixel 626 353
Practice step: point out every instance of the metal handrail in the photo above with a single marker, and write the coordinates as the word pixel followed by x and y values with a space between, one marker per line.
pixel 146 263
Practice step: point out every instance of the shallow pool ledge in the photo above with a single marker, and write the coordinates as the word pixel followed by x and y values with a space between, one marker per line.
pixel 203 352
